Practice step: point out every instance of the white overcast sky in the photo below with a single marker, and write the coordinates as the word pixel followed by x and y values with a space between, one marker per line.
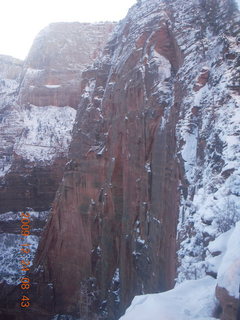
pixel 21 20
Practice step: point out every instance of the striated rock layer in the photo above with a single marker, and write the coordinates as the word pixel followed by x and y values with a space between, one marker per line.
pixel 151 135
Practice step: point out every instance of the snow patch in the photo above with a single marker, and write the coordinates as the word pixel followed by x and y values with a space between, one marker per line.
pixel 10 257
pixel 189 153
pixel 10 245
pixel 193 299
pixel 4 168
pixel 47 132
pixel 229 270
pixel 52 86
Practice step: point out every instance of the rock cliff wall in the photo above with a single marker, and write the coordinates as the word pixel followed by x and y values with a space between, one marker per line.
pixel 151 186
pixel 38 102
pixel 38 109
pixel 152 133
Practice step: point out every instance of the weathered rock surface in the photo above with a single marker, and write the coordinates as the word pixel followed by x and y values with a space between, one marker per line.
pixel 229 304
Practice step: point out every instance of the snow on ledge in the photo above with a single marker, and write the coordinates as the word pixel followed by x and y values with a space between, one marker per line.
pixel 193 299
pixel 229 270
pixel 47 132
pixel 52 86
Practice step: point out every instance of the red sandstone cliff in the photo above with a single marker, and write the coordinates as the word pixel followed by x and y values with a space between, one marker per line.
pixel 115 215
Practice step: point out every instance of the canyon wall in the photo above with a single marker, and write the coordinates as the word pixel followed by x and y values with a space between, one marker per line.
pixel 38 102
pixel 151 135
pixel 151 183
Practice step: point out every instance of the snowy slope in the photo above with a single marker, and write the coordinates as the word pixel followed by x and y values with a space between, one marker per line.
pixel 209 143
pixel 194 299
pixel 229 269
pixel 46 134
pixel 10 114
pixel 190 300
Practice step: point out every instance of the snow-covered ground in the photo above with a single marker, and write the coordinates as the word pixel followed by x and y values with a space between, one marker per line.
pixel 229 269
pixel 193 299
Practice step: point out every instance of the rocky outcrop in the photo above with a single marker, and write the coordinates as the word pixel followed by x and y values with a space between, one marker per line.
pixel 10 70
pixel 202 79
pixel 229 304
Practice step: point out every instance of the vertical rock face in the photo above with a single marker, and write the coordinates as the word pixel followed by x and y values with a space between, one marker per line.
pixel 150 136
pixel 111 220
pixel 53 68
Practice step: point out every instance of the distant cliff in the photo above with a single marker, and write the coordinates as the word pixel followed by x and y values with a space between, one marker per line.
pixel 39 99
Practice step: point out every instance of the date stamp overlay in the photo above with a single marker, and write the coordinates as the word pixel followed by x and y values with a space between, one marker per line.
pixel 25 250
